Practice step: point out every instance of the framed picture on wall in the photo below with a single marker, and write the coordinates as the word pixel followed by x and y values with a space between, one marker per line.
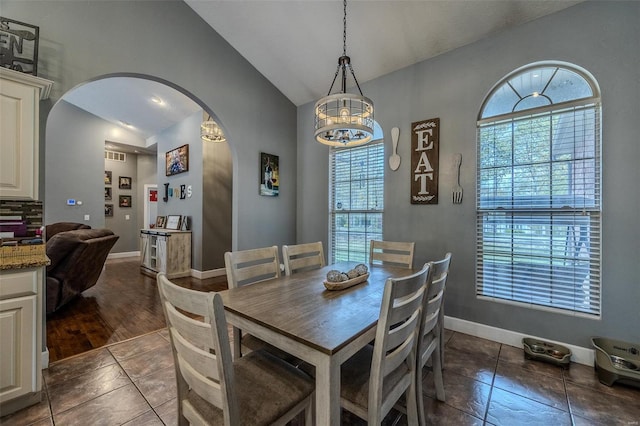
pixel 108 210
pixel 124 200
pixel 108 177
pixel 269 175
pixel 124 182
pixel 107 193
pixel 177 160
pixel 173 222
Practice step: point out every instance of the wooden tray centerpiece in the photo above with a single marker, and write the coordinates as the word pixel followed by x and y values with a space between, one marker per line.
pixel 337 280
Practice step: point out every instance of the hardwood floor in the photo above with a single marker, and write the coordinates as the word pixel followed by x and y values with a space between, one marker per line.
pixel 123 304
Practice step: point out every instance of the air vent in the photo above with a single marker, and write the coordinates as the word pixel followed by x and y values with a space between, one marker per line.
pixel 115 156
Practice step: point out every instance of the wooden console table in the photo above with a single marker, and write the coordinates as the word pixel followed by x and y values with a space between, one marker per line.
pixel 165 250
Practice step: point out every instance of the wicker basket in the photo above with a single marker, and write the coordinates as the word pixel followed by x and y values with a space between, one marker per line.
pixel 22 255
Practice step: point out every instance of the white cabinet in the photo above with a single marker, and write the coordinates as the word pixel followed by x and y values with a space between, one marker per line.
pixel 21 336
pixel 20 96
pixel 163 250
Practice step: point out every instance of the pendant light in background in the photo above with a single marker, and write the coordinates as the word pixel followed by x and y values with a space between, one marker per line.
pixel 344 119
pixel 210 131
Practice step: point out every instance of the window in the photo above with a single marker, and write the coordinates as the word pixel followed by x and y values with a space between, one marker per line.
pixel 538 191
pixel 356 200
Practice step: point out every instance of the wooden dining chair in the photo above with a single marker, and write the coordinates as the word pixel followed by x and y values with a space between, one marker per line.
pixel 247 267
pixel 391 252
pixel 301 257
pixel 430 337
pixel 375 378
pixel 257 389
pixel 441 273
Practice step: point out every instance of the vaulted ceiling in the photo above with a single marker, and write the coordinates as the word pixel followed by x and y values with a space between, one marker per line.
pixel 296 44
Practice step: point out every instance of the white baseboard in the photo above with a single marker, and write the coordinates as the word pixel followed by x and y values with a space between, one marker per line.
pixel 45 358
pixel 123 254
pixel 208 274
pixel 512 338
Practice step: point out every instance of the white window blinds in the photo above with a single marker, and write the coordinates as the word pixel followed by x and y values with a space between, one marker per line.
pixel 356 201
pixel 538 208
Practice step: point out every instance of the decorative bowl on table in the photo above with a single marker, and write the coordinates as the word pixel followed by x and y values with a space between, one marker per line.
pixel 337 280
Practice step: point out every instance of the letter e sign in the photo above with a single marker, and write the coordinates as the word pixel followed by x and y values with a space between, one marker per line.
pixel 425 149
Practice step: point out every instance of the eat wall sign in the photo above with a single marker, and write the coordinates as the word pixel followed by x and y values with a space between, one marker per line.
pixel 425 148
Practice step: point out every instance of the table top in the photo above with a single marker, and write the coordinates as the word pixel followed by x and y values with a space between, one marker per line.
pixel 300 307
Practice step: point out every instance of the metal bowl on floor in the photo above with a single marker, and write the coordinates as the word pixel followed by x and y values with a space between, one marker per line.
pixel 540 350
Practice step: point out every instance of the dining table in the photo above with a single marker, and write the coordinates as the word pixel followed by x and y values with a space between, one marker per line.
pixel 322 327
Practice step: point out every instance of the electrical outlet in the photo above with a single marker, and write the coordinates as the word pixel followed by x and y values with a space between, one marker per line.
pixel 126 217
pixel 87 217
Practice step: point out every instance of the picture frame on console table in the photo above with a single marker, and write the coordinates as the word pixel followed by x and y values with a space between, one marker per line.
pixel 173 222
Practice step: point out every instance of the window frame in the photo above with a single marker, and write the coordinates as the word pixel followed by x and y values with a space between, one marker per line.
pixel 334 210
pixel 516 213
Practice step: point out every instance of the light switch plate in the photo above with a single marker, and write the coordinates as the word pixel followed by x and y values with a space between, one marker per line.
pixel 87 217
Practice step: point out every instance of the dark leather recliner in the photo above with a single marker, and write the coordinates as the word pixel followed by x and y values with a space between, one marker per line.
pixel 77 258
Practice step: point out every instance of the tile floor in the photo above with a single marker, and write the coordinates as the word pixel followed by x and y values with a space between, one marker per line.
pixel 486 383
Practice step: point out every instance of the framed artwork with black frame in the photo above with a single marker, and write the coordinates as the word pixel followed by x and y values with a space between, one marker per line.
pixel 124 182
pixel 108 177
pixel 177 160
pixel 107 193
pixel 269 175
pixel 124 201
pixel 108 210
pixel 160 222
pixel 173 222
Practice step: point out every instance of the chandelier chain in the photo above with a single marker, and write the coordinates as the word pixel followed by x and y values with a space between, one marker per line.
pixel 344 32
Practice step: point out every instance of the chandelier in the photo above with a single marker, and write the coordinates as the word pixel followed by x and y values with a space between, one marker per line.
pixel 344 119
pixel 210 131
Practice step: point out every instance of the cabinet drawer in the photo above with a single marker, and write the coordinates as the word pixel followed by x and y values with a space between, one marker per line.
pixel 23 282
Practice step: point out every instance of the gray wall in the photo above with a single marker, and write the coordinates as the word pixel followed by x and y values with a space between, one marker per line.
pixel 602 37
pixel 80 41
pixel 124 221
pixel 74 163
pixel 209 177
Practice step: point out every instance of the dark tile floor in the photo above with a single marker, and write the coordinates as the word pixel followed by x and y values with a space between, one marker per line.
pixel 133 383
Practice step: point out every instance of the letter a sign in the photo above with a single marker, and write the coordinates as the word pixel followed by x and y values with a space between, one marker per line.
pixel 425 148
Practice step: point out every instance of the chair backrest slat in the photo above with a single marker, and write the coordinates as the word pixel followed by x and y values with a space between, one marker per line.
pixel 198 333
pixel 302 257
pixel 251 266
pixel 391 252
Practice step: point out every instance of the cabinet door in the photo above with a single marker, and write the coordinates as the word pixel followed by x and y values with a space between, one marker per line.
pixel 18 140
pixel 161 254
pixel 17 352
pixel 145 255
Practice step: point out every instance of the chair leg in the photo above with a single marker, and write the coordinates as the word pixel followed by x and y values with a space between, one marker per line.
pixel 437 374
pixel 237 343
pixel 413 406
pixel 419 402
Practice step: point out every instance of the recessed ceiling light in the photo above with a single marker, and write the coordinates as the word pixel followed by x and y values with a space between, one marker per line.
pixel 157 100
pixel 125 124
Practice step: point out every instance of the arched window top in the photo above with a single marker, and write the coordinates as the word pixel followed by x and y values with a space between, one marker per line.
pixel 539 85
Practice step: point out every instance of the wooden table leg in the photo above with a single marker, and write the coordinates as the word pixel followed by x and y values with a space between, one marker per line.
pixel 328 392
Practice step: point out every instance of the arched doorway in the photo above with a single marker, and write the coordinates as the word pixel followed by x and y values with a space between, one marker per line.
pixel 79 127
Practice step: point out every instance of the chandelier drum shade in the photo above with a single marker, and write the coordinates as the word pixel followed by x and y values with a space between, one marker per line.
pixel 344 119
pixel 210 131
